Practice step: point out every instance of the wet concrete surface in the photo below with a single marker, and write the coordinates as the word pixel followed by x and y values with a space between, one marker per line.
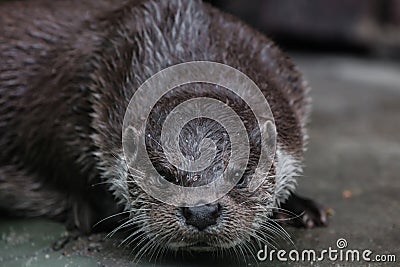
pixel 352 167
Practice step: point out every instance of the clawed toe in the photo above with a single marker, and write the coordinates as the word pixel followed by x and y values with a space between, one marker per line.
pixel 302 212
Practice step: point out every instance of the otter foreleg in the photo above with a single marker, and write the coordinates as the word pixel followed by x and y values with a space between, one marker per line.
pixel 301 212
pixel 23 194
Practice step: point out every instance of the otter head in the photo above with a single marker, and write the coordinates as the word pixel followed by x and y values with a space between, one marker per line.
pixel 185 31
pixel 239 217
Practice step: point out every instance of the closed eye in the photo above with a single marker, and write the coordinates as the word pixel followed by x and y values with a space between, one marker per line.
pixel 242 181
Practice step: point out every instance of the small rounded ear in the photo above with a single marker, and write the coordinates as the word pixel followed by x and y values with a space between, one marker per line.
pixel 269 143
pixel 268 150
pixel 130 143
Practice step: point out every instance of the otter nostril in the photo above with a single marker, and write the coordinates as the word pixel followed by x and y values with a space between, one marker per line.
pixel 186 212
pixel 202 216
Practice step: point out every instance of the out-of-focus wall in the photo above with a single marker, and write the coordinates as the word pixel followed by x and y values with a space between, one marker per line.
pixel 368 25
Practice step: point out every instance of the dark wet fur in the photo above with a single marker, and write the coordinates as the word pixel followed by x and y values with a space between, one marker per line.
pixel 68 70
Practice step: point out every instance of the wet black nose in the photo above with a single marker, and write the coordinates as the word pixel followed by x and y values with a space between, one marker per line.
pixel 202 216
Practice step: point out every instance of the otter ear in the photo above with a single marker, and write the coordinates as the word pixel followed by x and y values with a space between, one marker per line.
pixel 268 141
pixel 268 150
pixel 130 143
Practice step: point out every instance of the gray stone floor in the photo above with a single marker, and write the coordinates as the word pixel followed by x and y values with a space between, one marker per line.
pixel 353 167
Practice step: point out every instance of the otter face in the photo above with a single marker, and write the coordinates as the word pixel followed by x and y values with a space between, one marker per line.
pixel 232 220
pixel 237 219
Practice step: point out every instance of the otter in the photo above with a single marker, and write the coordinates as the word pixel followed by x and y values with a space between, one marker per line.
pixel 68 70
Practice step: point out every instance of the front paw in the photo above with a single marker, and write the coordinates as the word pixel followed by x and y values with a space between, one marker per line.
pixel 302 212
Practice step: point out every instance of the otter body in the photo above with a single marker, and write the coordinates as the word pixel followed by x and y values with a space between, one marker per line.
pixel 68 70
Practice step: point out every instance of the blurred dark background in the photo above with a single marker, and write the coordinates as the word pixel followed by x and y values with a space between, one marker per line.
pixel 362 27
